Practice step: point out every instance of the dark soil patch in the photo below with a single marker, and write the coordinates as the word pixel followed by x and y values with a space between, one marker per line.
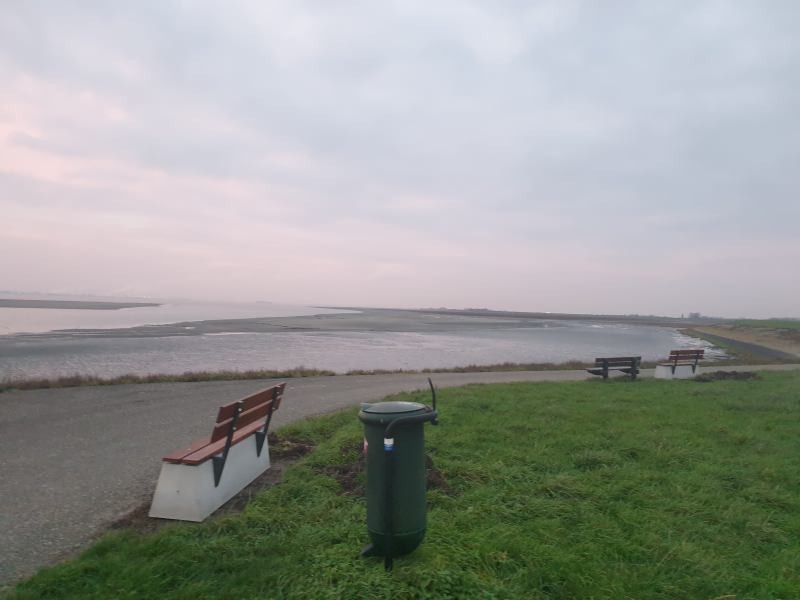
pixel 727 375
pixel 138 521
pixel 436 480
pixel 349 474
pixel 287 447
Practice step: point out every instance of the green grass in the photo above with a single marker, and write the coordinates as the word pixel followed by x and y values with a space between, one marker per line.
pixel 649 489
pixel 735 353
pixel 739 353
pixel 769 323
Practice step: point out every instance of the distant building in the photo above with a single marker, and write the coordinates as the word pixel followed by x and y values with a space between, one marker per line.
pixel 695 315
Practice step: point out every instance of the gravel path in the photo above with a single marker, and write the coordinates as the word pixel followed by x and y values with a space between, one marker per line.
pixel 75 459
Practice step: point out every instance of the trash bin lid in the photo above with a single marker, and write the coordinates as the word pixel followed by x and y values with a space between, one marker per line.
pixel 398 407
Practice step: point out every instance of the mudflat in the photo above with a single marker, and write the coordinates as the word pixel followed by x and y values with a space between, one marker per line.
pixel 370 319
pixel 71 304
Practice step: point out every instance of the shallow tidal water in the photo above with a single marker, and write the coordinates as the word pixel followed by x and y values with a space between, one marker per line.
pixel 340 351
pixel 39 320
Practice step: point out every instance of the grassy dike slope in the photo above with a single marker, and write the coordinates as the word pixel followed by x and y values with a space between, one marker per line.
pixel 648 489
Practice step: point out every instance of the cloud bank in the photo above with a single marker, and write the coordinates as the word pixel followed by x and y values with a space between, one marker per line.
pixel 562 156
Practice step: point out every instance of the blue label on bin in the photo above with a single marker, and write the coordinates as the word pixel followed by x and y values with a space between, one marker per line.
pixel 388 444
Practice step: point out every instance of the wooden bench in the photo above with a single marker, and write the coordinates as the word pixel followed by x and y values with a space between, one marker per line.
pixel 201 477
pixel 681 364
pixel 627 364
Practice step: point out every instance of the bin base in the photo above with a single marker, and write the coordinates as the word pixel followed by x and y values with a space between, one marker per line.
pixel 402 543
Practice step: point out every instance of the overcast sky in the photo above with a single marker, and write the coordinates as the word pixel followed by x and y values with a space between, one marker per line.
pixel 615 157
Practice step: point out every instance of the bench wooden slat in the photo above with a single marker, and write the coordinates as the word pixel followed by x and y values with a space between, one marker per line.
pixel 177 455
pixel 686 354
pixel 616 362
pixel 260 400
pixel 258 413
pixel 205 453
pixel 226 411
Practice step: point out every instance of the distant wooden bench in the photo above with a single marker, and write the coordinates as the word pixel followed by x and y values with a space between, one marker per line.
pixel 201 477
pixel 682 364
pixel 626 364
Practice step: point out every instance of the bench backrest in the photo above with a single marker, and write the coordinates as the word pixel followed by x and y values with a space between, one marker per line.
pixel 618 361
pixel 256 411
pixel 253 408
pixel 676 355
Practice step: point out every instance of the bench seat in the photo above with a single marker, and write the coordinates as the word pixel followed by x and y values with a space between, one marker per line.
pixel 197 454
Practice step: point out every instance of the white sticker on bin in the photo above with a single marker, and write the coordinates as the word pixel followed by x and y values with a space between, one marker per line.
pixel 388 444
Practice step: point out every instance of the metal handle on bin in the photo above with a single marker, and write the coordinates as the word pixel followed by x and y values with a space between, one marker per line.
pixel 430 415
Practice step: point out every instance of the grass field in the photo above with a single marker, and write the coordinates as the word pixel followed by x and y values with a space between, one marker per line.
pixel 791 324
pixel 740 352
pixel 648 489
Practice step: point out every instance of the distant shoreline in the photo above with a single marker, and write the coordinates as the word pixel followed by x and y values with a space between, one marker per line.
pixel 71 304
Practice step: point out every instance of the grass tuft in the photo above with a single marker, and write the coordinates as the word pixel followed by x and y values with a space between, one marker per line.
pixel 78 380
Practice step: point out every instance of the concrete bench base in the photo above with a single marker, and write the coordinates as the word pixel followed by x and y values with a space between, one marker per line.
pixel 681 372
pixel 187 492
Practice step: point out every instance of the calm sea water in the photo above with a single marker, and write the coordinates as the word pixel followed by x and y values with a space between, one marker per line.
pixel 37 320
pixel 337 351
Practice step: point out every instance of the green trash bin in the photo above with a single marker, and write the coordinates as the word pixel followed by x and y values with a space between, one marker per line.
pixel 394 441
